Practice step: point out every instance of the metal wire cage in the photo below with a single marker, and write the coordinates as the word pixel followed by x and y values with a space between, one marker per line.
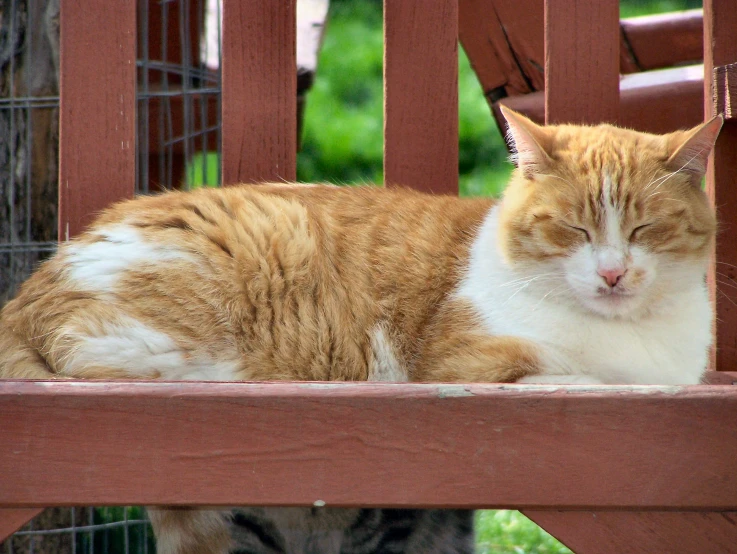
pixel 178 105
pixel 178 116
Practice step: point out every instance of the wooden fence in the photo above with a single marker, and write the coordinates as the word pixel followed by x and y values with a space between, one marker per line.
pixel 605 469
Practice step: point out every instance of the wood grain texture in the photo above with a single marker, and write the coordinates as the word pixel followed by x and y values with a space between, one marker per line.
pixel 720 49
pixel 659 101
pixel 581 61
pixel 13 519
pixel 638 532
pixel 421 95
pixel 724 93
pixel 661 40
pixel 364 444
pixel 505 50
pixel 515 31
pixel 97 127
pixel 259 82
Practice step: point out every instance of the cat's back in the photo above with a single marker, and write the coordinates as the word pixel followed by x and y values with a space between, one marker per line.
pixel 245 282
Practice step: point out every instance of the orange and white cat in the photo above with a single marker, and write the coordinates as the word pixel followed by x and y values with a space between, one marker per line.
pixel 591 269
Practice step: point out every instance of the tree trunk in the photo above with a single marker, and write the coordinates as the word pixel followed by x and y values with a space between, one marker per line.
pixel 29 137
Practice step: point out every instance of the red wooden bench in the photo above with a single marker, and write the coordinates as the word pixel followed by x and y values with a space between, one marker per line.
pixel 604 469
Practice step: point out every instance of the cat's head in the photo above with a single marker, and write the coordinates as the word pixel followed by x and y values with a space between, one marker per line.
pixel 610 219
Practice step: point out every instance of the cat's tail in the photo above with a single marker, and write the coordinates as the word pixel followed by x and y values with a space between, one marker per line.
pixel 18 360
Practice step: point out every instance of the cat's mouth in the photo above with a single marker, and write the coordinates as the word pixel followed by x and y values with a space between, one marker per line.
pixel 616 292
pixel 614 302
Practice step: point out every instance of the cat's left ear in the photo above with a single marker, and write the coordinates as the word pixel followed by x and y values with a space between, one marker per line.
pixel 531 143
pixel 691 149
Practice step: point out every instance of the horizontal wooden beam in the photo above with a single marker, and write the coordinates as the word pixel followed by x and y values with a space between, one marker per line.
pixel 664 39
pixel 364 444
pixel 659 101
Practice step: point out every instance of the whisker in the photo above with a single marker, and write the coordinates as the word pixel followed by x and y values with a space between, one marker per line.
pixel 677 171
pixel 726 283
pixel 725 263
pixel 529 279
pixel 727 297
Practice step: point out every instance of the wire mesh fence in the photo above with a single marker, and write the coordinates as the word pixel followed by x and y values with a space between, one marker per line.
pixel 123 530
pixel 178 104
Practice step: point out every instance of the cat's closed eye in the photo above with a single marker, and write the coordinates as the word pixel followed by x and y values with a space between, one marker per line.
pixel 580 230
pixel 637 231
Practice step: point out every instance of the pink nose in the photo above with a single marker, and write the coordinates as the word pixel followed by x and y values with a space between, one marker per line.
pixel 612 276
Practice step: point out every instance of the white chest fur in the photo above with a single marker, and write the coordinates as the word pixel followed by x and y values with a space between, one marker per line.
pixel 669 347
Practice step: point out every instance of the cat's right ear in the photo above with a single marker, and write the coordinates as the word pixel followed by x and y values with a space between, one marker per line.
pixel 530 143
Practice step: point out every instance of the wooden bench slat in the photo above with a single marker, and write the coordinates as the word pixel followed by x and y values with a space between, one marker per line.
pixel 259 83
pixel 368 444
pixel 421 95
pixel 659 40
pixel 97 126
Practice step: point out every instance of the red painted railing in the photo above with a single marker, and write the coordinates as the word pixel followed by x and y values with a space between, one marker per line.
pixel 600 468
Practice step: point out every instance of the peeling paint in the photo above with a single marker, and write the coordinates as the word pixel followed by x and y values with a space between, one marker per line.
pixel 599 389
pixel 453 391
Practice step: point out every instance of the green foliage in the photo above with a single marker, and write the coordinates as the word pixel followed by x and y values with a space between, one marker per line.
pixel 342 138
pixel 203 170
pixel 632 8
pixel 342 135
pixel 509 532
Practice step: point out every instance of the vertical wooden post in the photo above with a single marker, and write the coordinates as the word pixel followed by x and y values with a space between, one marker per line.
pixel 97 130
pixel 581 86
pixel 581 61
pixel 720 49
pixel 421 94
pixel 259 85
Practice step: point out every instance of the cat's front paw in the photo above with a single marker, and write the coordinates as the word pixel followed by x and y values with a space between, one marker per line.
pixel 560 380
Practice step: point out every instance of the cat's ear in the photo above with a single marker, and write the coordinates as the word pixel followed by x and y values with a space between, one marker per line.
pixel 530 143
pixel 689 150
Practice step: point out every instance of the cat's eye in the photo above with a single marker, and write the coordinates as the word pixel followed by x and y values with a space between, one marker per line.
pixel 581 230
pixel 636 231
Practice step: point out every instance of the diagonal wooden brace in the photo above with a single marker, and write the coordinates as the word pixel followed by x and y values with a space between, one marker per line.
pixel 12 519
